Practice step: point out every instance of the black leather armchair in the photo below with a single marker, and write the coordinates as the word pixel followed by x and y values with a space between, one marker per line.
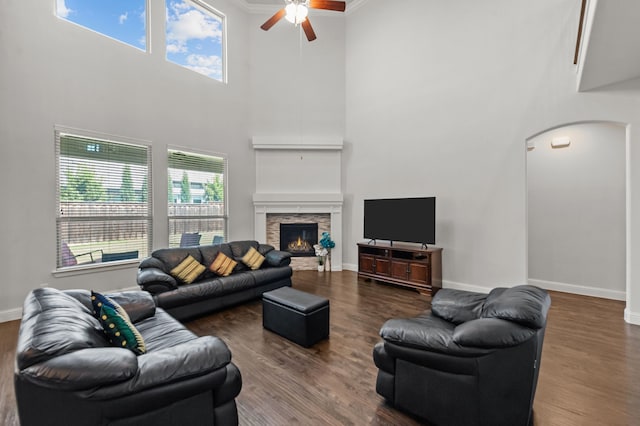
pixel 473 360
pixel 67 373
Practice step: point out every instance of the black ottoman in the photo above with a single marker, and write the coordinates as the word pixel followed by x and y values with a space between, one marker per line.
pixel 300 317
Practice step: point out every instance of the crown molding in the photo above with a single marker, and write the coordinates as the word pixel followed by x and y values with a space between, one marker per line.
pixel 272 8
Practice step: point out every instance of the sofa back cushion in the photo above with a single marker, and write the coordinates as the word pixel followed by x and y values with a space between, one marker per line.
pixel 240 248
pixel 457 306
pixel 172 257
pixel 53 324
pixel 524 304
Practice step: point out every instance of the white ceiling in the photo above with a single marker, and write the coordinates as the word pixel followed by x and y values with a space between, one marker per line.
pixel 611 47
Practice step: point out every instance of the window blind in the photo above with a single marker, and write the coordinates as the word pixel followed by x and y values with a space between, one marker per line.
pixel 103 190
pixel 197 206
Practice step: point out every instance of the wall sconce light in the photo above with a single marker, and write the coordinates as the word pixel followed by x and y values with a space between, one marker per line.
pixel 560 142
pixel 531 145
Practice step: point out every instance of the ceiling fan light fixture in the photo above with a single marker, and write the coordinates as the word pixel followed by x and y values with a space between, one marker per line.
pixel 296 13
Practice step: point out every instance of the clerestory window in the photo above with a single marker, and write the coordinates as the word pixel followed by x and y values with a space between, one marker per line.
pixel 195 37
pixel 122 20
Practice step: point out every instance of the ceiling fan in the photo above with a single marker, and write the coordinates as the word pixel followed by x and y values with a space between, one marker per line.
pixel 296 12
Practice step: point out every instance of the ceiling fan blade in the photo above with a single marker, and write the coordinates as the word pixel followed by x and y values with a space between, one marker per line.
pixel 308 30
pixel 338 6
pixel 273 20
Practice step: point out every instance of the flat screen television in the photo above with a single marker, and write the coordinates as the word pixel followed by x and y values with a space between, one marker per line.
pixel 411 220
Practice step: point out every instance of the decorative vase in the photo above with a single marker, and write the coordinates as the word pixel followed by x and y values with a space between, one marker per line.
pixel 327 263
pixel 320 268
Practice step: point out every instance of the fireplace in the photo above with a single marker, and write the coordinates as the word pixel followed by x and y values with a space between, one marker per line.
pixel 299 238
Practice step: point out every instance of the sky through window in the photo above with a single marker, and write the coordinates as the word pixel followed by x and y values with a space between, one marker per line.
pixel 194 38
pixel 123 20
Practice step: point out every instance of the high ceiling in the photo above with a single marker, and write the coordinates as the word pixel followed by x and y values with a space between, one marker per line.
pixel 611 45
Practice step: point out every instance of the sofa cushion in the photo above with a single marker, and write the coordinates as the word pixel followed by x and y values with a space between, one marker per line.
pixel 240 248
pixel 171 257
pixel 222 265
pixel 491 333
pixel 457 306
pixel 253 259
pixel 54 324
pixel 525 304
pixel 206 289
pixel 188 270
pixel 119 330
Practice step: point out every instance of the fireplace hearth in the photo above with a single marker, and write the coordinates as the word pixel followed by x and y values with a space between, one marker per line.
pixel 299 238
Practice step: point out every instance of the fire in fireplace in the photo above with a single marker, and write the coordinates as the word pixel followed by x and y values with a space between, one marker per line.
pixel 299 238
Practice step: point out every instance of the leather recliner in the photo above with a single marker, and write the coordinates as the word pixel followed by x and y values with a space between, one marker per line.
pixel 67 373
pixel 473 359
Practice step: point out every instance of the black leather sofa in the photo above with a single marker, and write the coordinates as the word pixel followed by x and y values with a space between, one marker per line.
pixel 211 292
pixel 473 360
pixel 67 373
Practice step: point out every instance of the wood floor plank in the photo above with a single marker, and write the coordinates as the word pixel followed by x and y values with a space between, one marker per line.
pixel 590 372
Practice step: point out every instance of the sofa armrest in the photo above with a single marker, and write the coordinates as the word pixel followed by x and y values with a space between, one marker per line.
pixel 138 304
pixel 278 258
pixel 491 333
pixel 83 369
pixel 163 367
pixel 427 333
pixel 155 280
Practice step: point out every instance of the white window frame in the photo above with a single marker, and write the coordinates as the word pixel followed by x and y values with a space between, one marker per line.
pixel 225 183
pixel 59 131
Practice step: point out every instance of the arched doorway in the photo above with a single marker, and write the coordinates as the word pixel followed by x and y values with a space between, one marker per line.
pixel 576 209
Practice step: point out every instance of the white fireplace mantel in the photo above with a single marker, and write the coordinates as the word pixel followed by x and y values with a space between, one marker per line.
pixel 299 175
pixel 301 203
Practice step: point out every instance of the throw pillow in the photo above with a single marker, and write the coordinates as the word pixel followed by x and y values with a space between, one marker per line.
pixel 222 265
pixel 120 331
pixel 253 259
pixel 98 300
pixel 188 270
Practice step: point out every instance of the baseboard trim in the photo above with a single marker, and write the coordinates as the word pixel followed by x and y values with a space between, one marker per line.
pixel 466 287
pixel 631 317
pixel 350 267
pixel 580 289
pixel 10 314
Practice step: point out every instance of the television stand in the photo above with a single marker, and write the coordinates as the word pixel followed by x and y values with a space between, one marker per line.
pixel 413 267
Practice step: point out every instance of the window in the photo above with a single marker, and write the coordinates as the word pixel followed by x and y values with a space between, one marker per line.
pixel 103 198
pixel 195 35
pixel 122 20
pixel 198 205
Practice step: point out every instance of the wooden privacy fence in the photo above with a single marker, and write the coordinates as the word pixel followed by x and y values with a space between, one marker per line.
pixel 92 222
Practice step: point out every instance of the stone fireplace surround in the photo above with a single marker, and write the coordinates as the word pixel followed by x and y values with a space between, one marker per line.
pixel 312 195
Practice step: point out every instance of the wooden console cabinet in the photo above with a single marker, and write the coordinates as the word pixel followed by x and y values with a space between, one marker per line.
pixel 407 266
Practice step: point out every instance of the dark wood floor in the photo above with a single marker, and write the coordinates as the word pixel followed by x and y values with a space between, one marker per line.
pixel 590 371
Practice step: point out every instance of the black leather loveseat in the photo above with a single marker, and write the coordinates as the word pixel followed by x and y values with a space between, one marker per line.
pixel 68 373
pixel 210 291
pixel 473 360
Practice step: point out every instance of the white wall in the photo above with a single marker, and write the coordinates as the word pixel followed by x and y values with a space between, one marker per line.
pixel 576 210
pixel 53 72
pixel 298 87
pixel 440 103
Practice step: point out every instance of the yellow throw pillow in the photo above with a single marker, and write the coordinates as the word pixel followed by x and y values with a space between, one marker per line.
pixel 222 265
pixel 188 270
pixel 253 259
